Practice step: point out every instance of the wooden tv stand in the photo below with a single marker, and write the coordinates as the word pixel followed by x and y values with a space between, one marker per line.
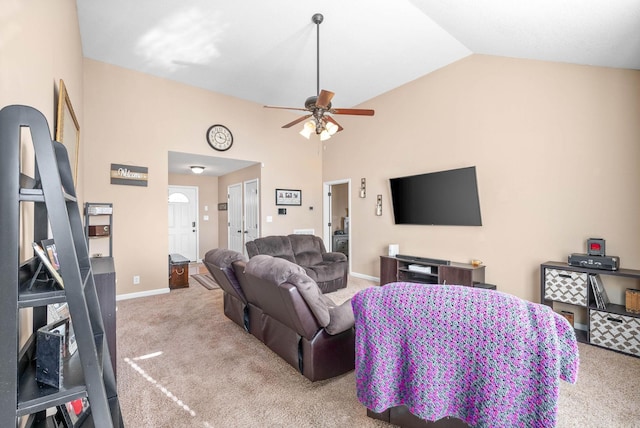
pixel 393 269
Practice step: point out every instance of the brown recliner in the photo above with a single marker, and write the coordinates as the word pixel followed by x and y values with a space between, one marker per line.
pixel 289 314
pixel 219 262
pixel 328 269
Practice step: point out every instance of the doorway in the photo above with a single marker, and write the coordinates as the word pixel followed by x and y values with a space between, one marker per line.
pixel 338 224
pixel 183 221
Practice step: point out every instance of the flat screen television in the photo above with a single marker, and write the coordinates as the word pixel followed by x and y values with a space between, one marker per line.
pixel 438 198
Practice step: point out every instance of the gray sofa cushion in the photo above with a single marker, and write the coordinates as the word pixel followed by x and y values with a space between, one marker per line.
pixel 276 246
pixel 274 269
pixel 306 249
pixel 279 271
pixel 341 318
pixel 222 258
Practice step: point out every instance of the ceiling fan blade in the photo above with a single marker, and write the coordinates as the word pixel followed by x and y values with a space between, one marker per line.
pixel 324 98
pixel 353 111
pixel 287 108
pixel 300 119
pixel 332 120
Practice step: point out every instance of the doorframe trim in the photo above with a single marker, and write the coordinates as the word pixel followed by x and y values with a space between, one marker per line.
pixel 326 214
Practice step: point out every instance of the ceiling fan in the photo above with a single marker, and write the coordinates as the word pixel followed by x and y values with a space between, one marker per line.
pixel 319 106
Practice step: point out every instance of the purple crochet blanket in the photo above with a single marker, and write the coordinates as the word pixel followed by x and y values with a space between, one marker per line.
pixel 485 357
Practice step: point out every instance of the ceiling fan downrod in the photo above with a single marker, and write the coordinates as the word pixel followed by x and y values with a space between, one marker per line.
pixel 317 19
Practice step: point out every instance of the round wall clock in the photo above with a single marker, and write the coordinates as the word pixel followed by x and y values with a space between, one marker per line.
pixel 219 137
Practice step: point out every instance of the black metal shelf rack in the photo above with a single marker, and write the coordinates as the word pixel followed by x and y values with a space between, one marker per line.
pixel 88 372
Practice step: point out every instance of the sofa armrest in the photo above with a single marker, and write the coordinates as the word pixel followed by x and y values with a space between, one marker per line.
pixel 340 318
pixel 334 257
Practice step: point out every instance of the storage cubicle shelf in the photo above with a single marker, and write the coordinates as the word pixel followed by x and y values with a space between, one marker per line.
pixel 617 329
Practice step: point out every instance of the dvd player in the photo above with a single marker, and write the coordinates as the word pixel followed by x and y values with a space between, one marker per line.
pixel 423 259
pixel 594 262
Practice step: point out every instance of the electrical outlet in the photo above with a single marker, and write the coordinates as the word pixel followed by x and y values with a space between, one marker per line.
pixel 136 279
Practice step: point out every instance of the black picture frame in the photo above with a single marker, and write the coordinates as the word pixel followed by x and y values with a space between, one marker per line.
pixel 47 263
pixel 288 197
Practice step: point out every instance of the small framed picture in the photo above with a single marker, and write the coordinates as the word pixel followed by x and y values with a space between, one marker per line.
pixel 44 258
pixel 222 206
pixel 60 311
pixel 288 197
pixel 49 247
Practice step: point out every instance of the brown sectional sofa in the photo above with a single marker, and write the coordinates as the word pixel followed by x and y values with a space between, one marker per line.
pixel 328 269
pixel 278 303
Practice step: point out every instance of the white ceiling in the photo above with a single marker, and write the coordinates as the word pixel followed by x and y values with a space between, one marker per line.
pixel 265 51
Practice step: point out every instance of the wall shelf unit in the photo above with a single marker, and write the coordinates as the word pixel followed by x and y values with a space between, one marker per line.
pixel 98 226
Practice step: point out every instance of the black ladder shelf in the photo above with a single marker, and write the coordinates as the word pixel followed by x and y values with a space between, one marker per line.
pixel 88 372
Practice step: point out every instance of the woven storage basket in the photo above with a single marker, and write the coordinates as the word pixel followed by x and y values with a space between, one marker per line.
pixel 632 300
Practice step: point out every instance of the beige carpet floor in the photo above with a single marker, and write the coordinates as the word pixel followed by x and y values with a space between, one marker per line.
pixel 182 363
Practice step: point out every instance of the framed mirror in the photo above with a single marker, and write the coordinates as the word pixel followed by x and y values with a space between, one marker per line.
pixel 68 129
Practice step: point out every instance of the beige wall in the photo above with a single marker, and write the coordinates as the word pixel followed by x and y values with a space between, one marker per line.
pixel 207 206
pixel 39 45
pixel 135 119
pixel 555 146
pixel 557 151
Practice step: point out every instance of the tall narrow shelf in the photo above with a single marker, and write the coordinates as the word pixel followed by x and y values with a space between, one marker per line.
pixel 28 288
pixel 98 228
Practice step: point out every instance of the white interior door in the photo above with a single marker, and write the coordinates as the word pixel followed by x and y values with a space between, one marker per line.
pixel 251 211
pixel 183 221
pixel 234 212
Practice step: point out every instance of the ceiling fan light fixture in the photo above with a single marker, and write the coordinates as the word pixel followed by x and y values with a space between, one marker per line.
pixel 308 128
pixel 324 135
pixel 331 128
pixel 197 169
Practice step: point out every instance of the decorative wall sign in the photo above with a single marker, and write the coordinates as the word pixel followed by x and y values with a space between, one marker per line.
pixel 129 175
pixel 288 197
pixel 222 206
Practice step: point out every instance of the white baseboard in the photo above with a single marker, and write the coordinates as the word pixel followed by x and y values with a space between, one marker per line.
pixel 367 277
pixel 142 294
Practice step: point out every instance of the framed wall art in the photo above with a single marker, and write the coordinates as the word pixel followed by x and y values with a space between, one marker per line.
pixel 288 197
pixel 68 129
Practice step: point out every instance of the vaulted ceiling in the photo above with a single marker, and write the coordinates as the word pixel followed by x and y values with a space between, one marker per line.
pixel 265 51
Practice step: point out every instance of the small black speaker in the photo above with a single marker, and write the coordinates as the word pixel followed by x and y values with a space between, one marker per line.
pixel 595 247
